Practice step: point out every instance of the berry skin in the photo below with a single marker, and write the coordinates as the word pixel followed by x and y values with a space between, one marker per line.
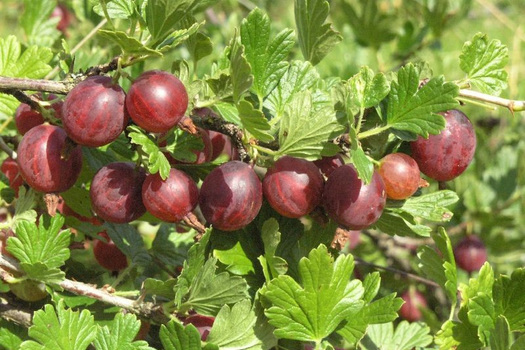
pixel 116 192
pixel 293 186
pixel 445 156
pixel 41 163
pixel 202 323
pixel 401 176
pixel 157 101
pixel 94 112
pixel 328 164
pixel 171 199
pixel 414 300
pixel 222 145
pixel 351 203
pixel 231 196
pixel 64 15
pixel 470 253
pixel 10 169
pixel 27 118
pixel 108 255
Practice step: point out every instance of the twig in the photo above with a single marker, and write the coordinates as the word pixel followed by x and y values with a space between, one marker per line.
pixel 12 311
pixel 512 105
pixel 397 271
pixel 4 147
pixel 147 310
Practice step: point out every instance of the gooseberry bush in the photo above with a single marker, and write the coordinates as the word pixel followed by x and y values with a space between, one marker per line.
pixel 207 174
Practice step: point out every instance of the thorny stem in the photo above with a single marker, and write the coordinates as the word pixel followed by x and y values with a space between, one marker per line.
pixel 143 309
pixel 512 105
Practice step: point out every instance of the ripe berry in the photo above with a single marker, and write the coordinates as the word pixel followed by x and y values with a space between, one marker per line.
pixel 45 162
pixel 171 199
pixel 202 323
pixel 328 164
pixel 116 192
pixel 231 196
pixel 62 12
pixel 470 253
pixel 94 112
pixel 445 156
pixel 411 309
pixel 157 101
pixel 293 186
pixel 351 203
pixel 108 255
pixel 222 145
pixel 27 118
pixel 401 176
pixel 11 171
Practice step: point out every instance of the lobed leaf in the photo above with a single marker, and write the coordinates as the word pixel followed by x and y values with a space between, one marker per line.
pixel 414 109
pixel 129 45
pixel 157 161
pixel 61 329
pixel 405 337
pixel 239 327
pixel 306 129
pixel 267 57
pixel 313 310
pixel 316 38
pixel 484 62
pixel 174 336
pixel 120 334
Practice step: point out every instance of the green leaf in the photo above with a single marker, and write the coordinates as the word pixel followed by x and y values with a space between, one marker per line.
pixel 440 270
pixel 24 206
pixel 483 283
pixel 159 288
pixel 174 336
pixel 484 62
pixel 171 247
pixel 39 26
pixel 41 272
pixel 199 46
pixel 181 145
pixel 63 329
pixel 46 244
pixel 481 313
pixel 361 162
pixel 510 300
pixel 313 311
pixel 129 241
pixel 157 161
pixel 316 38
pixel 162 16
pixel 372 26
pixel 271 238
pixel 192 266
pixel 209 291
pixel 366 89
pixel 8 105
pixel 519 343
pixel 254 121
pixel 11 335
pixel 267 58
pixel 431 206
pixel 413 109
pixel 401 224
pixel 460 335
pixel 32 63
pixel 306 129
pixel 240 70
pixel 128 44
pixel 240 328
pixel 116 9
pixel 300 76
pixel 405 337
pixel 499 338
pixel 120 334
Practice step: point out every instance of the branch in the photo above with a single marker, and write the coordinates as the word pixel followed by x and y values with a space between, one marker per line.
pixel 512 105
pixel 13 85
pixel 148 310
